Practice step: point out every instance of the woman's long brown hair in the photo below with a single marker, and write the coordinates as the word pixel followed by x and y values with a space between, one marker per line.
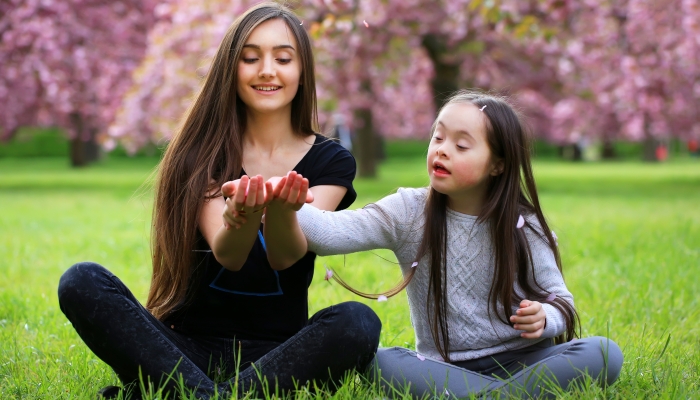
pixel 509 195
pixel 207 151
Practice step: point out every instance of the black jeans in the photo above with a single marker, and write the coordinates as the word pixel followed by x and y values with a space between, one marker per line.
pixel 121 332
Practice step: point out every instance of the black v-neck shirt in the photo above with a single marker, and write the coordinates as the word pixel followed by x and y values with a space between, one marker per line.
pixel 257 302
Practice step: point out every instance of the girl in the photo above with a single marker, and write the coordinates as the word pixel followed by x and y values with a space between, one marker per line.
pixel 487 298
pixel 226 300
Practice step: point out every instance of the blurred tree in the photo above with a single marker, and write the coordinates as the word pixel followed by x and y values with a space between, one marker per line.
pixel 67 64
pixel 621 69
pixel 375 63
pixel 181 45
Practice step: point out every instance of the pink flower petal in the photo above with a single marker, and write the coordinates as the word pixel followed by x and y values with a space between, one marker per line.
pixel 482 108
pixel 382 298
pixel 302 23
pixel 447 393
pixel 556 239
pixel 521 222
pixel 329 274
pixel 551 297
pixel 366 24
pixel 415 264
pixel 420 357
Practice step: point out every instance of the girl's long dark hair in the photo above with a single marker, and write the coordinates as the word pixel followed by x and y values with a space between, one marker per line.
pixel 509 195
pixel 207 151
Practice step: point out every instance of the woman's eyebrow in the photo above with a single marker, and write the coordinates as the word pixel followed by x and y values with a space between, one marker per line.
pixel 279 46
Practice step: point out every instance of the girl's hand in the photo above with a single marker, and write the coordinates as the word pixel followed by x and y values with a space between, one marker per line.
pixel 531 318
pixel 245 196
pixel 292 191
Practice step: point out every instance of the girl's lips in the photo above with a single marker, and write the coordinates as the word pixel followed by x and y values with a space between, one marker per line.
pixel 439 170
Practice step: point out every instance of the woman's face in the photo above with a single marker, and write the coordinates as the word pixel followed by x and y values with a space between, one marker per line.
pixel 269 69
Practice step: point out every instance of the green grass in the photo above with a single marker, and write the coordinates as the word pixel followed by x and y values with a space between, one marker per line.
pixel 629 235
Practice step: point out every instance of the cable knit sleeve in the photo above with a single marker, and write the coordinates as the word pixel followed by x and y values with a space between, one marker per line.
pixel 381 225
pixel 549 278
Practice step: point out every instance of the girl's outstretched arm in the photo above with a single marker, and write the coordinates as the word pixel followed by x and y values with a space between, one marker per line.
pixel 232 232
pixel 381 225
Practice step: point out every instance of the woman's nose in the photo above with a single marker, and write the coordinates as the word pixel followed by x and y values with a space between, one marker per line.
pixel 267 69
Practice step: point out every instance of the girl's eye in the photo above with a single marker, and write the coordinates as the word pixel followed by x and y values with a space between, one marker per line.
pixel 284 60
pixel 249 60
pixel 462 147
pixel 437 138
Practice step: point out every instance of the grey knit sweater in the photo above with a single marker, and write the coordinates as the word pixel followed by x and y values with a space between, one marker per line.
pixel 396 223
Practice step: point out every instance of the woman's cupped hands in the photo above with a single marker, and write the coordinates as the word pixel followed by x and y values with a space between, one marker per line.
pixel 252 195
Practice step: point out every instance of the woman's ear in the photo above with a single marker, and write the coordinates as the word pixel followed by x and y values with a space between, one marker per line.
pixel 497 167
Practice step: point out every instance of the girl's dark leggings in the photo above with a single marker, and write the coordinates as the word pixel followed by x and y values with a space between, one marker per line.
pixel 121 332
pixel 538 371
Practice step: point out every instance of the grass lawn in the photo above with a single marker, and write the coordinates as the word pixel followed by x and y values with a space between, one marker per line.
pixel 629 234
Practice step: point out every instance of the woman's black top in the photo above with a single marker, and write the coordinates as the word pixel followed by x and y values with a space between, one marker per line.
pixel 257 302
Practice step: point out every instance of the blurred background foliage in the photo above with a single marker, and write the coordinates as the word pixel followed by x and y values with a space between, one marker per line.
pixel 589 75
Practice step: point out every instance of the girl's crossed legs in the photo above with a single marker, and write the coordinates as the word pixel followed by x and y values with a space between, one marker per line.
pixel 521 373
pixel 121 332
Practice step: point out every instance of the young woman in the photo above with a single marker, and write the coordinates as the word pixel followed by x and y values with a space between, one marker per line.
pixel 487 298
pixel 226 301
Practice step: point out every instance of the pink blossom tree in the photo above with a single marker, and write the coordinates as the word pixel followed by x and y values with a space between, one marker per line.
pixel 376 63
pixel 180 48
pixel 623 69
pixel 67 64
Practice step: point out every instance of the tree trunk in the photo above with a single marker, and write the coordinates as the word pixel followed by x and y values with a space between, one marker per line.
pixel 571 152
pixel 446 80
pixel 83 147
pixel 608 152
pixel 366 149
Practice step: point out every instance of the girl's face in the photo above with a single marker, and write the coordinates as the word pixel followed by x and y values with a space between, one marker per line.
pixel 269 69
pixel 459 157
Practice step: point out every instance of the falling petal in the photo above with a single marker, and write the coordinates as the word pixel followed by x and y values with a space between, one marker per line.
pixel 420 357
pixel 556 239
pixel 382 298
pixel 521 222
pixel 551 297
pixel 415 264
pixel 302 23
pixel 447 393
pixel 329 274
pixel 482 108
pixel 366 24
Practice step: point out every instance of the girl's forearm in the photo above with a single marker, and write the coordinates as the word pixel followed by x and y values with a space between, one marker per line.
pixel 232 246
pixel 285 241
